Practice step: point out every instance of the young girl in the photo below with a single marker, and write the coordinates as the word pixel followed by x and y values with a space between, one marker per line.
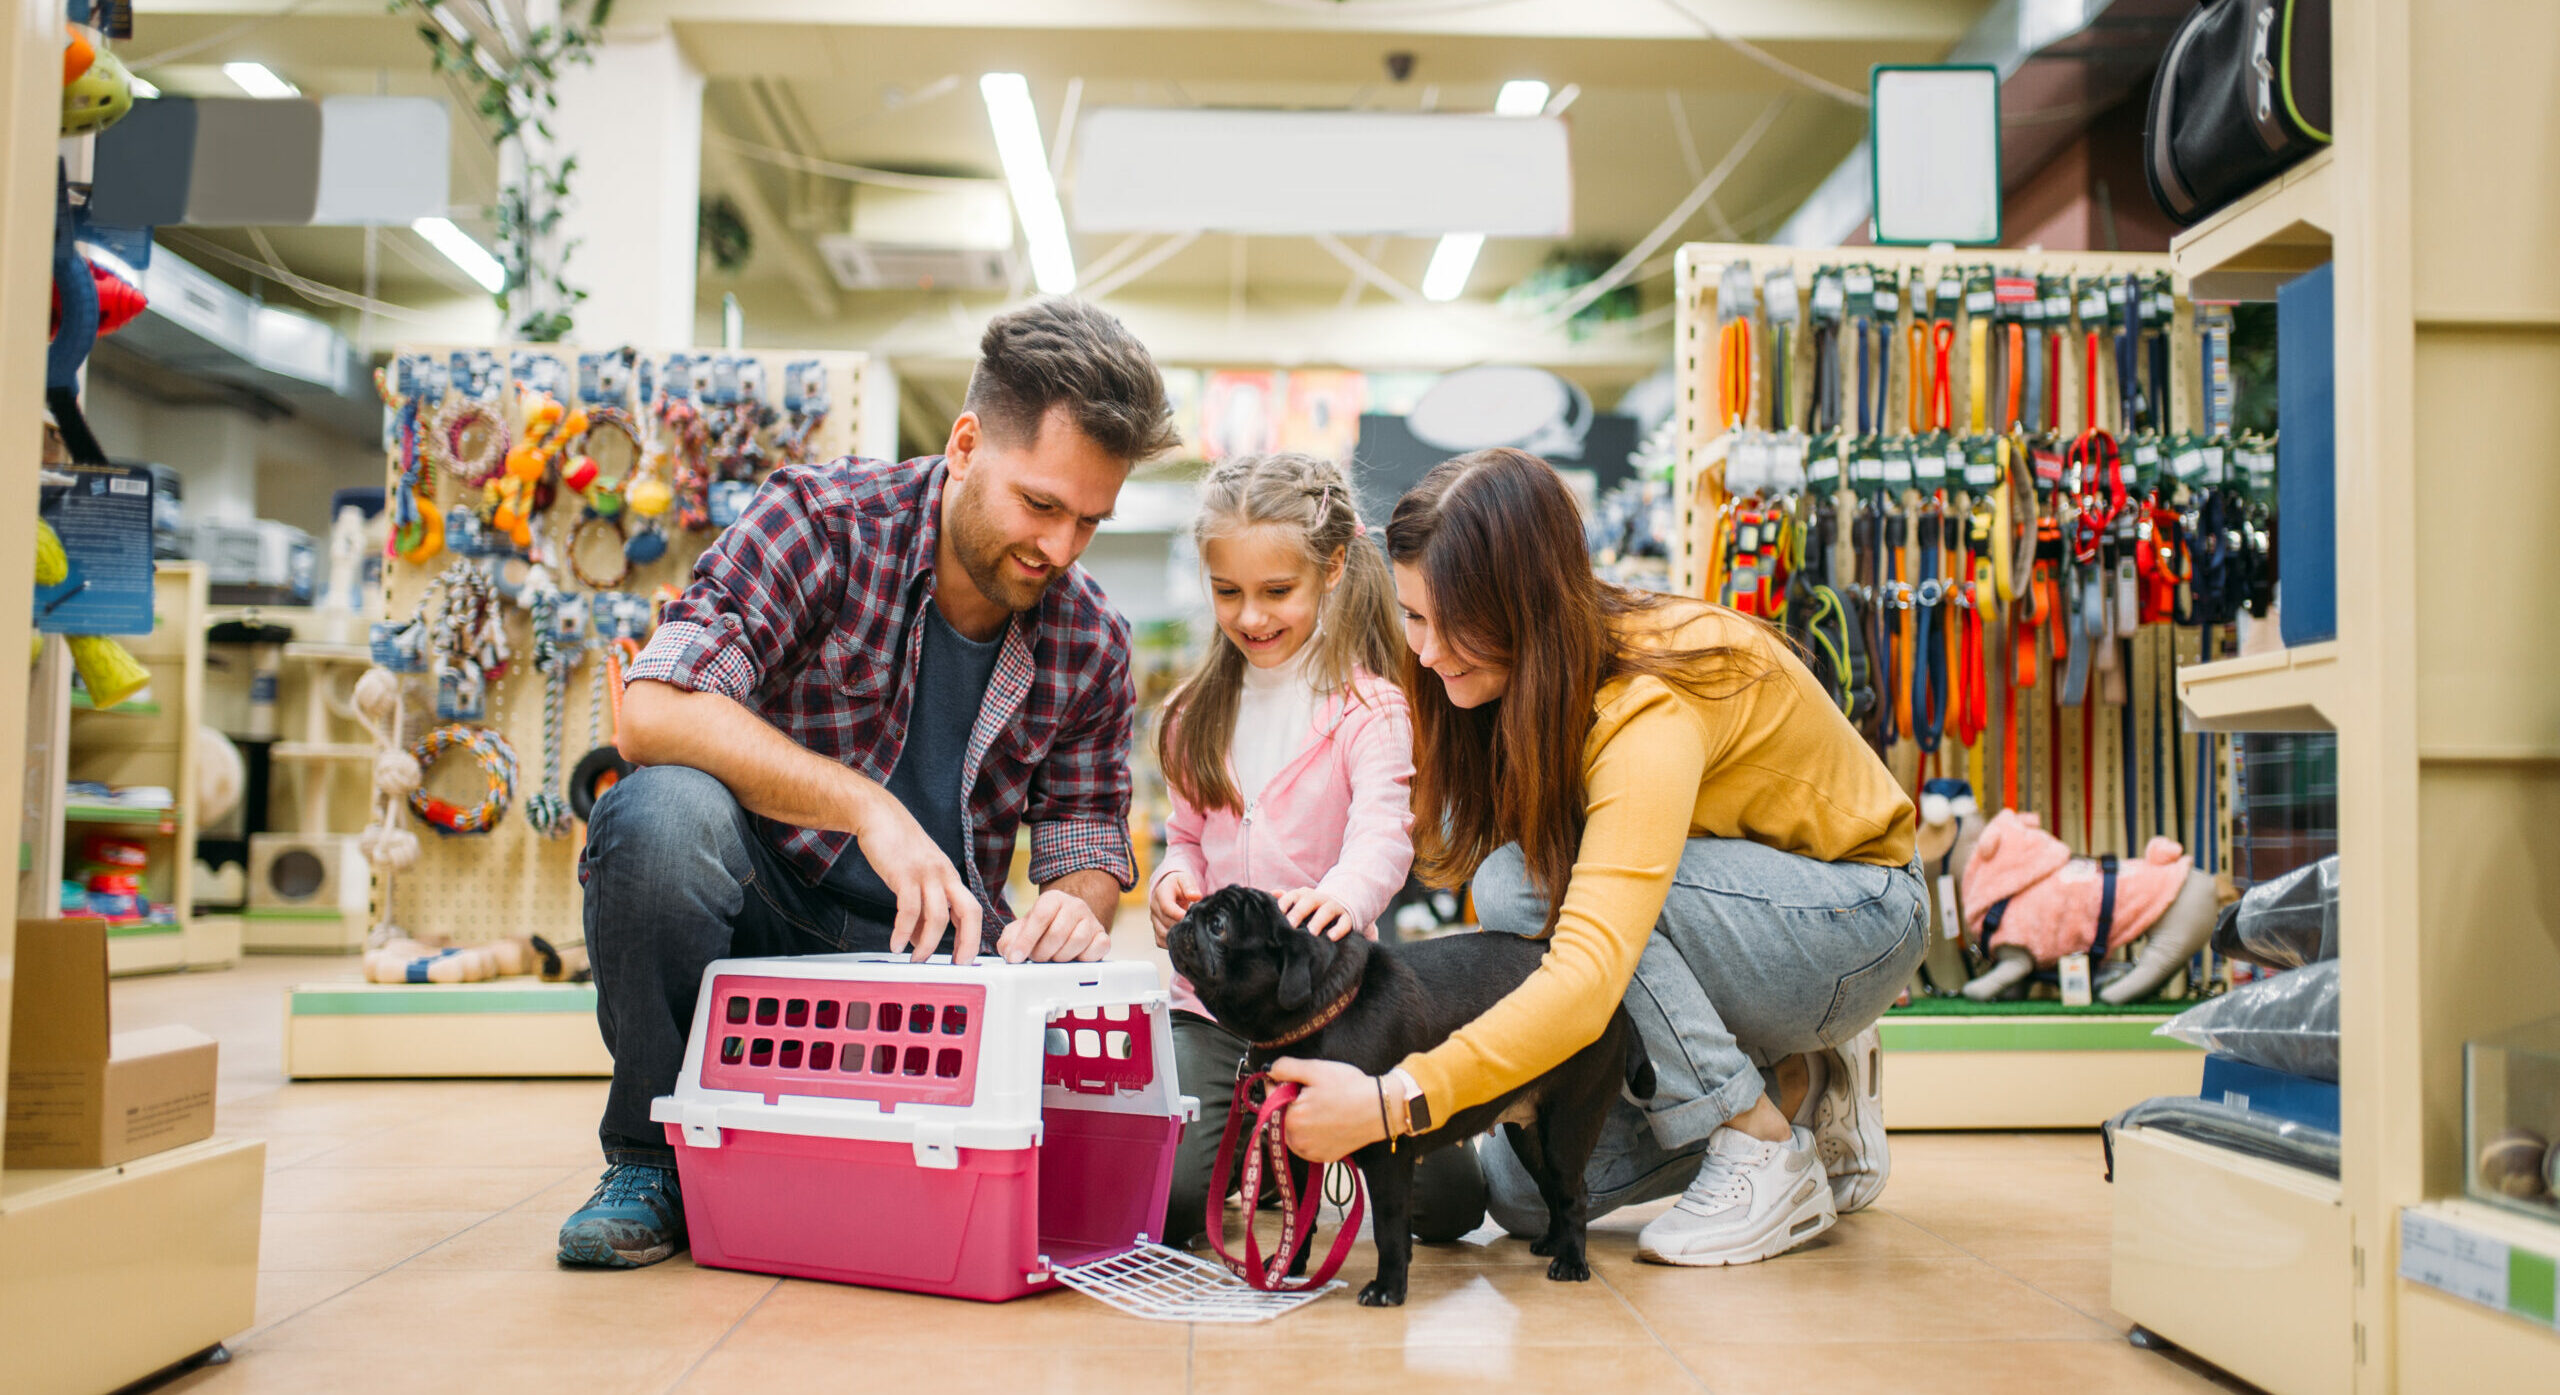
pixel 1288 754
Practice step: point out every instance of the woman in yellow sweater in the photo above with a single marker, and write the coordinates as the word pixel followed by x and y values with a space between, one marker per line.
pixel 1663 789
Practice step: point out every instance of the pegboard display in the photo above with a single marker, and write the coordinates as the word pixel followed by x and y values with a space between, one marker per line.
pixel 674 442
pixel 1828 391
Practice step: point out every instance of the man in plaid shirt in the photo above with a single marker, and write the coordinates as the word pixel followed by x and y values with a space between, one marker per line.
pixel 879 674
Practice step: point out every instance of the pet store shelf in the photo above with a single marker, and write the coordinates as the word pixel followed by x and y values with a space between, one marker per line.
pixel 323 750
pixel 2266 239
pixel 135 707
pixel 2282 690
pixel 143 948
pixel 2029 1065
pixel 107 1276
pixel 393 1031
pixel 164 820
pixel 2478 1285
pixel 323 652
pixel 2203 1233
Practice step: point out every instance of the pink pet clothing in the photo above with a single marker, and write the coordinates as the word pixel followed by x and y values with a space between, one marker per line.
pixel 2053 897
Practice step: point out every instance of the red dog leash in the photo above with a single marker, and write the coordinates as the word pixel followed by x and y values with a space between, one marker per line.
pixel 1270 1141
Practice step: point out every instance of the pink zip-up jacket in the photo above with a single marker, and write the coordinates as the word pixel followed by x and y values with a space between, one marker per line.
pixel 1338 817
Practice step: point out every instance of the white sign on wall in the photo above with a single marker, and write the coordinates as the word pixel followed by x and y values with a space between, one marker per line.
pixel 1935 136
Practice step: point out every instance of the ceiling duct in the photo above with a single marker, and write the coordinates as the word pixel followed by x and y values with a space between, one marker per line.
pixel 199 326
pixel 955 237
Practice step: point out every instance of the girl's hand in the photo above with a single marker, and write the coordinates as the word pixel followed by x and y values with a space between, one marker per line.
pixel 1316 913
pixel 1336 1113
pixel 1174 895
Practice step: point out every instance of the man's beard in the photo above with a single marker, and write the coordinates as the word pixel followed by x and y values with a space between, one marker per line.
pixel 982 551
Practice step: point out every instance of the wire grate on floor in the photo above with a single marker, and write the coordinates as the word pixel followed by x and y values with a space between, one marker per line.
pixel 1167 1285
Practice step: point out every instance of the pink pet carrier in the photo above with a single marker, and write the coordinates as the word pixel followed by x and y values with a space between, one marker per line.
pixel 966 1131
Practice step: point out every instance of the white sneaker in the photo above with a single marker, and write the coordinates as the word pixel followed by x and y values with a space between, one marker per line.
pixel 1848 1123
pixel 1752 1200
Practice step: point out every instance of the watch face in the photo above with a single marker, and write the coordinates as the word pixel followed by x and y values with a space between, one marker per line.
pixel 1419 1110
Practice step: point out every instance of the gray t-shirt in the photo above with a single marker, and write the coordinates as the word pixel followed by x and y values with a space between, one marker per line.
pixel 951 685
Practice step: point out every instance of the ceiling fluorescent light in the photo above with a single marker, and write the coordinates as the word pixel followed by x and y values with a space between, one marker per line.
pixel 459 249
pixel 1451 261
pixel 1521 97
pixel 142 88
pixel 1026 169
pixel 258 80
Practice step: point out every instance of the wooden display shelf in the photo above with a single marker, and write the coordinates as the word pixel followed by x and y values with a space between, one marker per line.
pixel 396 1031
pixel 2283 690
pixel 2497 1271
pixel 144 948
pixel 2031 1066
pixel 2266 239
pixel 2241 1261
pixel 323 750
pixel 107 1276
pixel 300 930
pixel 134 707
pixel 164 820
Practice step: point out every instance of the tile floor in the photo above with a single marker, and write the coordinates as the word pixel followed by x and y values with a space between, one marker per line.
pixel 408 1246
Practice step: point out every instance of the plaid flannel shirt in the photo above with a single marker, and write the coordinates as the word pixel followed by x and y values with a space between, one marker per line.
pixel 809 611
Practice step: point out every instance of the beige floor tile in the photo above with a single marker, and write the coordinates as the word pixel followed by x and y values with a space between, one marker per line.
pixel 525 1237
pixel 548 1136
pixel 762 1368
pixel 384 1189
pixel 366 1240
pixel 1914 1300
pixel 1927 1368
pixel 842 1317
pixel 260 1370
pixel 289 1149
pixel 1461 1368
pixel 418 1314
pixel 1512 1306
pixel 285 1292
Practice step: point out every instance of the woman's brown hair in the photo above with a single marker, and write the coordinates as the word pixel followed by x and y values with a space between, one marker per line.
pixel 1311 501
pixel 1497 538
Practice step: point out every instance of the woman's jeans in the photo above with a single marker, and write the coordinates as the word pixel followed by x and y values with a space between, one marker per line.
pixel 1759 955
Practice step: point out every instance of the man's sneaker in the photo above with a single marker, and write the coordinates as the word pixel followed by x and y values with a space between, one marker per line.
pixel 1848 1123
pixel 636 1217
pixel 1751 1200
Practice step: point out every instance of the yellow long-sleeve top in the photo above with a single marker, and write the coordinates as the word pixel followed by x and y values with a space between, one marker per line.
pixel 1774 762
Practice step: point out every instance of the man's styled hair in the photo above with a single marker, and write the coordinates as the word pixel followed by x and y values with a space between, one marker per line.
pixel 1057 352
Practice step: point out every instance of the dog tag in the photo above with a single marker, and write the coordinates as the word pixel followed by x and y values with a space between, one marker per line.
pixel 2075 980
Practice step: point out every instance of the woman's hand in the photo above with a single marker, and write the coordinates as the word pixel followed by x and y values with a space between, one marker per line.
pixel 1174 895
pixel 1316 913
pixel 1336 1113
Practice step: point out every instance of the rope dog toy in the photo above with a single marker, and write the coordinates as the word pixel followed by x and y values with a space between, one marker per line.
pixel 497 765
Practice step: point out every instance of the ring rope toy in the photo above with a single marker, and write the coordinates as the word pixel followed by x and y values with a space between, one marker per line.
pixel 583 475
pixel 476 467
pixel 577 548
pixel 497 765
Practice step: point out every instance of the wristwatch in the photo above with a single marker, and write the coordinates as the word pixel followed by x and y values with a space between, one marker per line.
pixel 1417 1109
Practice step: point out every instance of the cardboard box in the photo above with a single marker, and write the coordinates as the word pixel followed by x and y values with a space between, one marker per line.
pixel 80 1095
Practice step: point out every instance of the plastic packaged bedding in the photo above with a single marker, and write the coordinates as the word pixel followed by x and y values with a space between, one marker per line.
pixel 2285 923
pixel 2243 1131
pixel 2287 1023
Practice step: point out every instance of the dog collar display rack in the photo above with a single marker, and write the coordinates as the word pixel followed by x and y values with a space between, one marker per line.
pixel 976 1131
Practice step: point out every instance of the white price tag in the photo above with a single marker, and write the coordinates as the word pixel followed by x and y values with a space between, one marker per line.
pixel 1897 467
pixel 1931 463
pixel 1827 296
pixel 1979 302
pixel 2214 471
pixel 1860 280
pixel 1888 303
pixel 2075 980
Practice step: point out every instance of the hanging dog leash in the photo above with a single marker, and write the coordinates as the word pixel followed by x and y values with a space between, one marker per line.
pixel 1268 1145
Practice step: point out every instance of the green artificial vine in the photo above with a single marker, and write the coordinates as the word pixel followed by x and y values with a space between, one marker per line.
pixel 510 76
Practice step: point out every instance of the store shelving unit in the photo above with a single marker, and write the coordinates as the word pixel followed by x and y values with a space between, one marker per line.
pixel 108 1275
pixel 148 741
pixel 2435 206
pixel 2280 690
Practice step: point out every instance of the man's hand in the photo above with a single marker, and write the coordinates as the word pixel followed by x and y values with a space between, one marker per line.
pixel 1174 897
pixel 931 892
pixel 1316 913
pixel 1061 927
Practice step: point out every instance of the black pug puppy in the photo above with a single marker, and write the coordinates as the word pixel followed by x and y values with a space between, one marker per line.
pixel 1371 1006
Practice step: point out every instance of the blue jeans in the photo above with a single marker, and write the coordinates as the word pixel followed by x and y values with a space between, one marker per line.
pixel 677 876
pixel 1759 955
